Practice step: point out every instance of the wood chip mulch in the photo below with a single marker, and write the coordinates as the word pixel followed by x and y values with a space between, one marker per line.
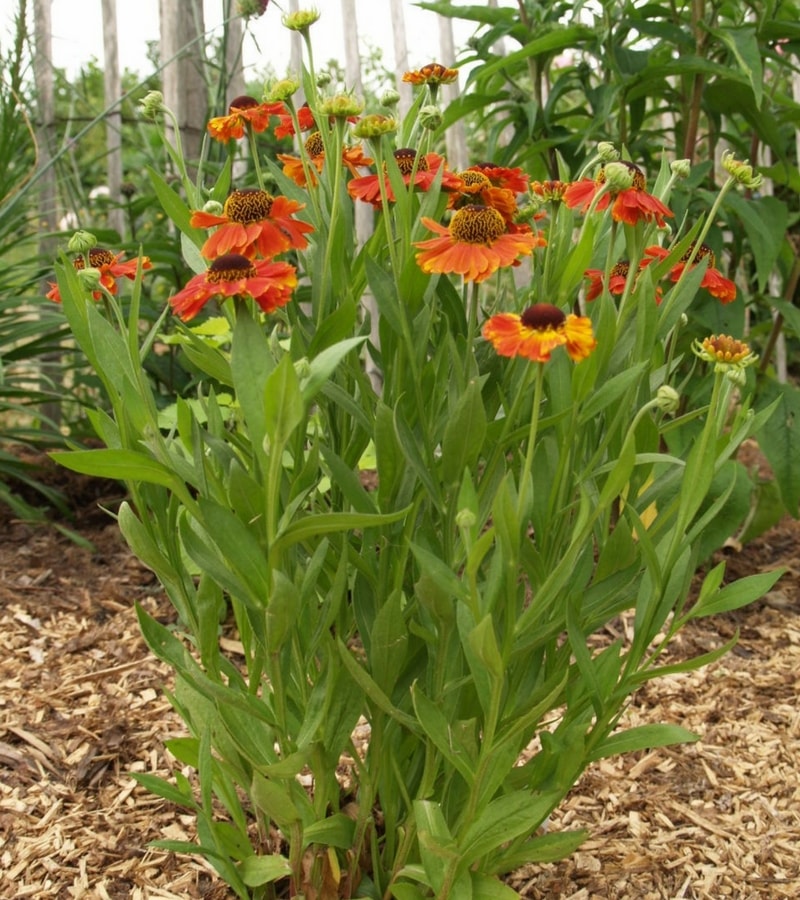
pixel 81 707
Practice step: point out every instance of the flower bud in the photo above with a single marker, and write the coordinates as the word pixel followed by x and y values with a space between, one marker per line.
pixel 430 117
pixel 607 151
pixel 153 103
pixel 681 167
pixel 390 97
pixel 281 91
pixel 374 125
pixel 618 177
pixel 323 79
pixel 251 8
pixel 81 242
pixel 301 20
pixel 89 278
pixel 214 207
pixel 742 171
pixel 341 106
pixel 668 398
pixel 466 519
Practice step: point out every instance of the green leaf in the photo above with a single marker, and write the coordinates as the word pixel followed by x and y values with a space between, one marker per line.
pixel 443 735
pixel 642 737
pixel 327 523
pixel 323 365
pixel 765 221
pixel 124 465
pixel 779 440
pixel 437 847
pixel 257 870
pixel 737 594
pixel 337 830
pixel 742 41
pixel 504 819
pixel 283 402
pixel 463 434
pixel 388 643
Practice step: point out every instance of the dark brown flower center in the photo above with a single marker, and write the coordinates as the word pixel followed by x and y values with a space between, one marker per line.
pixel 243 102
pixel 314 145
pixel 97 258
pixel 543 317
pixel 621 268
pixel 230 267
pixel 475 224
pixel 405 157
pixel 475 179
pixel 705 252
pixel 248 205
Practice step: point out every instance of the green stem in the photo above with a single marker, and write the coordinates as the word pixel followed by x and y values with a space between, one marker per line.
pixel 526 474
pixel 251 138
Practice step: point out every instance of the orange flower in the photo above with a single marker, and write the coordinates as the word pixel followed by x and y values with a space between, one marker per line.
pixel 631 205
pixel 616 282
pixel 285 126
pixel 110 267
pixel 713 280
pixel 353 159
pixel 432 73
pixel 538 331
pixel 269 283
pixel 477 188
pixel 424 168
pixel 253 223
pixel 475 245
pixel 514 180
pixel 243 112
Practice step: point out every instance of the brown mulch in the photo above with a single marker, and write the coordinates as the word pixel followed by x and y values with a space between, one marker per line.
pixel 81 707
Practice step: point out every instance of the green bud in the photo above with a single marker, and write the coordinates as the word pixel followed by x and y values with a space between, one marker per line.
pixel 153 103
pixel 341 106
pixel 89 278
pixel 81 242
pixel 281 91
pixel 618 177
pixel 607 151
pixel 668 398
pixel 743 172
pixel 374 125
pixel 390 97
pixel 301 20
pixel 466 519
pixel 214 207
pixel 430 117
pixel 681 167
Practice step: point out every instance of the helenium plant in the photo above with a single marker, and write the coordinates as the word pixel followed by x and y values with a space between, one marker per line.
pixel 418 567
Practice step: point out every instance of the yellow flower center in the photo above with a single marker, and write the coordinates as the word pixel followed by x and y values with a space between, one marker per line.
pixel 725 348
pixel 639 181
pixel 97 258
pixel 230 267
pixel 477 225
pixel 705 252
pixel 543 317
pixel 405 157
pixel 314 145
pixel 248 205
pixel 476 180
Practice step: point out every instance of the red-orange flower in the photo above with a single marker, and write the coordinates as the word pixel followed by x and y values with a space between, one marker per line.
pixel 475 245
pixel 477 188
pixel 616 281
pixel 432 73
pixel 713 280
pixel 285 126
pixel 243 112
pixel 631 205
pixel 538 331
pixel 513 179
pixel 269 283
pixel 253 223
pixel 353 159
pixel 111 268
pixel 424 168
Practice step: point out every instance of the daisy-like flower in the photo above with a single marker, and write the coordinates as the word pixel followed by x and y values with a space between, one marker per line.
pixel 538 331
pixel 244 111
pixel 550 191
pixel 616 282
pixel 513 179
pixel 353 159
pixel 424 168
pixel 477 188
pixel 432 73
pixel 110 266
pixel 475 245
pixel 253 223
pixel 725 352
pixel 269 283
pixel 630 205
pixel 285 126
pixel 713 280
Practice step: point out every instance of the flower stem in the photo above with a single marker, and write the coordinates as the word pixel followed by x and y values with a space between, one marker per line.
pixel 534 427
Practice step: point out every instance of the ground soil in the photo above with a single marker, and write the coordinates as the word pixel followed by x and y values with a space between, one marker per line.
pixel 81 707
